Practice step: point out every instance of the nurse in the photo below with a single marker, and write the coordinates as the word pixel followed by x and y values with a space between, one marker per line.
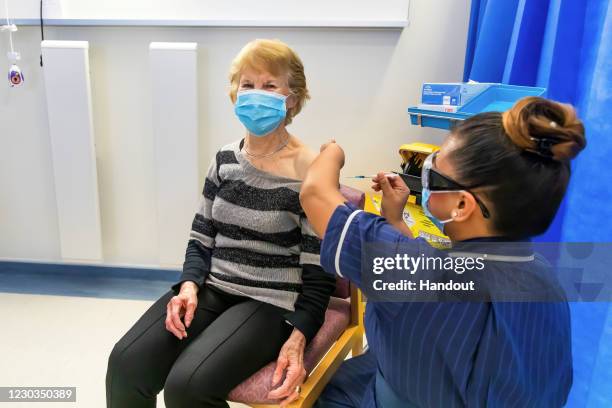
pixel 498 177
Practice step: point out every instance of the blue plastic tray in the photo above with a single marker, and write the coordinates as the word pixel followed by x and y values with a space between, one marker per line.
pixel 496 98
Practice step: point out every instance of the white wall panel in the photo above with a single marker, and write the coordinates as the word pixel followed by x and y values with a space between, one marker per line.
pixel 175 131
pixel 69 112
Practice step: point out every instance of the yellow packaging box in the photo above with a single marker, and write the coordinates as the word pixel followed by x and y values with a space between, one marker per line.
pixel 415 218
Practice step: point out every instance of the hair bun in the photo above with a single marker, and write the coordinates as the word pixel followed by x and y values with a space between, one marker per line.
pixel 544 127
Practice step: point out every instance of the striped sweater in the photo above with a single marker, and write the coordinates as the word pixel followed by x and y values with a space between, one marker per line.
pixel 250 237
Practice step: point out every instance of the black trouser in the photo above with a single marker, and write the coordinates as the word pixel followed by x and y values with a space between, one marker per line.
pixel 230 338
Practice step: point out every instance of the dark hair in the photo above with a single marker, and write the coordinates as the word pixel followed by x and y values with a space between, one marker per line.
pixel 520 158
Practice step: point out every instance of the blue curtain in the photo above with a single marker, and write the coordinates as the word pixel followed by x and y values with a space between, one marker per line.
pixel 566 47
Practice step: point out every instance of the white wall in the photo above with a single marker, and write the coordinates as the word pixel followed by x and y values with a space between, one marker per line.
pixel 344 13
pixel 361 83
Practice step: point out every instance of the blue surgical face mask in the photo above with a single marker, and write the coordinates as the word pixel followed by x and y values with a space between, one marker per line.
pixel 261 112
pixel 425 196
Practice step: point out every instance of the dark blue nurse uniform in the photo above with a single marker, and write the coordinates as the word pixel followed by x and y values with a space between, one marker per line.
pixel 446 354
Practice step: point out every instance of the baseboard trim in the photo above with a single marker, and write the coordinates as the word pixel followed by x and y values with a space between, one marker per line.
pixel 89 270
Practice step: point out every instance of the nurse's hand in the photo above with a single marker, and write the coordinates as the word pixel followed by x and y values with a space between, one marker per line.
pixel 394 196
pixel 291 359
pixel 334 151
pixel 183 304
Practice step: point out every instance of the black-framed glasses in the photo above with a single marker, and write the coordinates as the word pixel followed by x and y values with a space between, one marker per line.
pixel 436 181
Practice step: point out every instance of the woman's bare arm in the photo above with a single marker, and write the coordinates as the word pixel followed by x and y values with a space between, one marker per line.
pixel 320 192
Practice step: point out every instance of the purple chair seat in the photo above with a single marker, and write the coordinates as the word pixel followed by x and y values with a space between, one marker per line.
pixel 255 389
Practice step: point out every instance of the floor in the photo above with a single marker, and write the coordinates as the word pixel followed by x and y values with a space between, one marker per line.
pixel 49 340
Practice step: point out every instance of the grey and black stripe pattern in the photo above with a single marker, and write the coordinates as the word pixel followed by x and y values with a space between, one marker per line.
pixel 253 225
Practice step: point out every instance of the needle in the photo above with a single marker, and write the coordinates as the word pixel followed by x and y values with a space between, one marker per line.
pixel 372 176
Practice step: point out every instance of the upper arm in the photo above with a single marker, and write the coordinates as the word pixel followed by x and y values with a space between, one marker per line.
pixel 202 227
pixel 348 232
pixel 310 248
pixel 319 200
pixel 303 160
pixel 341 246
pixel 320 207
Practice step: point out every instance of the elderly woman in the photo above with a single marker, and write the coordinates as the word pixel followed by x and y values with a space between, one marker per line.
pixel 252 288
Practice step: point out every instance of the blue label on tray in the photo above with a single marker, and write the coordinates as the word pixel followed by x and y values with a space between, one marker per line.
pixel 441 94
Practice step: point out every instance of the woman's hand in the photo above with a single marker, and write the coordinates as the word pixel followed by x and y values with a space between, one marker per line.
pixel 183 304
pixel 290 358
pixel 395 195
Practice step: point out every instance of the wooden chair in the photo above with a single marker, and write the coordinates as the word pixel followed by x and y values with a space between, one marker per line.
pixel 341 333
